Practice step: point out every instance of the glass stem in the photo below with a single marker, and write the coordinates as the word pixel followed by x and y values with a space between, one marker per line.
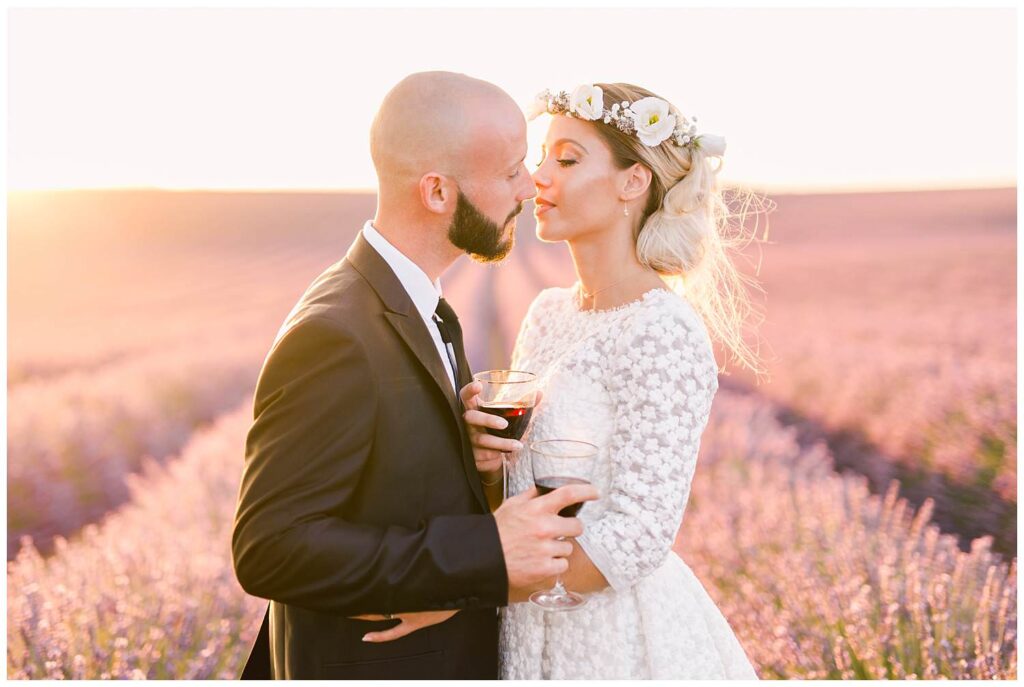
pixel 559 588
pixel 504 477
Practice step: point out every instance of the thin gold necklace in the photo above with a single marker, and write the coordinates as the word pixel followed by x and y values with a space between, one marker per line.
pixel 591 294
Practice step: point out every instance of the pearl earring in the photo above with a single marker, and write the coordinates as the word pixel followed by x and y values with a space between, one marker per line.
pixel 625 209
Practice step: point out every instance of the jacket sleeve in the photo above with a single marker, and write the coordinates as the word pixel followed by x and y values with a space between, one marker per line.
pixel 314 420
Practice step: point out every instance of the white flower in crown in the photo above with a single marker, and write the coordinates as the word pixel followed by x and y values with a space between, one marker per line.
pixel 711 144
pixel 587 102
pixel 653 122
pixel 650 119
pixel 538 106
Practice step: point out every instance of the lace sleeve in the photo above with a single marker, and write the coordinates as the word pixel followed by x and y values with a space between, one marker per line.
pixel 662 379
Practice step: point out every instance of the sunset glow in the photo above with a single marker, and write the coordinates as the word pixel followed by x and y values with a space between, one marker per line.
pixel 809 99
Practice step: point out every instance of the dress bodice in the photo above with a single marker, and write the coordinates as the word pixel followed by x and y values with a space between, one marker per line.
pixel 638 382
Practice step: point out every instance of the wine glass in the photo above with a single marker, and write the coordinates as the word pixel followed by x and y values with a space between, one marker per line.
pixel 512 395
pixel 557 463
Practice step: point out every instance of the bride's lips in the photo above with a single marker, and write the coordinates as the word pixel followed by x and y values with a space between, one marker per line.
pixel 542 206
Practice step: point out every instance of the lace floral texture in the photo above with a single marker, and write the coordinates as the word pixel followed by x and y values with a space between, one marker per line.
pixel 638 381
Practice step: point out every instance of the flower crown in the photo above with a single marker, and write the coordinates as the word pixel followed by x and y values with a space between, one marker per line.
pixel 651 119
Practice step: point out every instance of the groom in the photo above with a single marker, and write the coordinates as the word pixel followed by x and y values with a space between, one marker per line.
pixel 359 497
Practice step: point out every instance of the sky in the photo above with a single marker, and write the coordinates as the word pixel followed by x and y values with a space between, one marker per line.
pixel 807 99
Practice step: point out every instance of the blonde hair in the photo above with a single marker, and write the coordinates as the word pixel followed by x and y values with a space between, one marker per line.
pixel 687 231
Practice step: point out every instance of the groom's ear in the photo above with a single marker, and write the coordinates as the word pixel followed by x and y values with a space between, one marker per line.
pixel 437 192
pixel 637 181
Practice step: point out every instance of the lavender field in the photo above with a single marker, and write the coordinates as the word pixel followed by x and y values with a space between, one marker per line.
pixel 892 331
pixel 854 517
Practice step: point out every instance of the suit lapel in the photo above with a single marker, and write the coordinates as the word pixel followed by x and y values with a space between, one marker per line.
pixel 406 320
pixel 414 332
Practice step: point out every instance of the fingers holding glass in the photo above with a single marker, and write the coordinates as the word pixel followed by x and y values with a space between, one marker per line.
pixel 559 463
pixel 508 395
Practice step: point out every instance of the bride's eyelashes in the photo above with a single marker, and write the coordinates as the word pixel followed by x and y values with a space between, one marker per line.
pixel 564 162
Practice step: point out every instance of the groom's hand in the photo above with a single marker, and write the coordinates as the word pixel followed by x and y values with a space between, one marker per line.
pixel 487 448
pixel 410 623
pixel 529 527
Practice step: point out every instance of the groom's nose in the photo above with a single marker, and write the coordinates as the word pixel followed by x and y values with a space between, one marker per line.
pixel 539 179
pixel 528 189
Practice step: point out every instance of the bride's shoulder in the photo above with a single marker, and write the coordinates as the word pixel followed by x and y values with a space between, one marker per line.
pixel 673 317
pixel 550 298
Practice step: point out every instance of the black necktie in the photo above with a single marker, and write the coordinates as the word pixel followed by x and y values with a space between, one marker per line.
pixel 451 335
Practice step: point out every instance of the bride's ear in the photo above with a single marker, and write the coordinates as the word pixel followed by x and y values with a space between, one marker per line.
pixel 636 182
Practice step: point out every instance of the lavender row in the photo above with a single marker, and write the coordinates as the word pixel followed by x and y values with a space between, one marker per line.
pixel 149 592
pixel 902 349
pixel 819 578
pixel 73 439
pixel 824 580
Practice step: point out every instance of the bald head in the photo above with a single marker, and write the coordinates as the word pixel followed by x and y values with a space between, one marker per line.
pixel 436 122
pixel 450 157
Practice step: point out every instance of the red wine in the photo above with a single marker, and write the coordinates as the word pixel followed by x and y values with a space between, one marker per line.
pixel 518 416
pixel 546 485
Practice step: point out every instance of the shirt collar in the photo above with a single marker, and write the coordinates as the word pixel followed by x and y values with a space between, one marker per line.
pixel 415 281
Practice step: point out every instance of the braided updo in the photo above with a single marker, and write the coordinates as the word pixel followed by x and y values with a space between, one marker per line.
pixel 687 231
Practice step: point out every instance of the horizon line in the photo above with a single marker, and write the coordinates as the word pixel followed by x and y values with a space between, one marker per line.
pixel 776 190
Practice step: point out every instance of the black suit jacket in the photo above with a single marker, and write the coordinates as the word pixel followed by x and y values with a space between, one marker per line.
pixel 360 495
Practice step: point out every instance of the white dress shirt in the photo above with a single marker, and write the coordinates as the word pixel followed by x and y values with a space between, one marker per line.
pixel 417 284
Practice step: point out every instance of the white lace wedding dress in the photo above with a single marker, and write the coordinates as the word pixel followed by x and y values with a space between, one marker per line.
pixel 638 382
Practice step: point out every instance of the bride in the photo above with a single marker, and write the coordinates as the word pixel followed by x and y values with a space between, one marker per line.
pixel 625 363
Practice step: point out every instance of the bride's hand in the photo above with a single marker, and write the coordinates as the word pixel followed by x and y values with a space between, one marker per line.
pixel 487 448
pixel 410 623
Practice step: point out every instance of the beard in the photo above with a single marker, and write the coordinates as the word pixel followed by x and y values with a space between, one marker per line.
pixel 479 236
